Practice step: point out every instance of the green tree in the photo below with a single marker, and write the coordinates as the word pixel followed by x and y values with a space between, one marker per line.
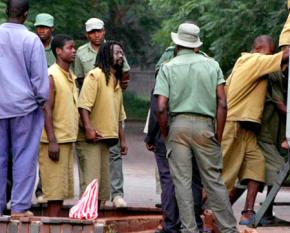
pixel 129 21
pixel 228 27
pixel 2 11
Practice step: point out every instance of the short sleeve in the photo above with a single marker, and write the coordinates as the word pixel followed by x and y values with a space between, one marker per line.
pixel 162 84
pixel 88 92
pixel 122 115
pixel 220 75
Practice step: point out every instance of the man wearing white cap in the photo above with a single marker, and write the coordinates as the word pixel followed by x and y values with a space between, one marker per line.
pixel 190 89
pixel 87 53
pixel 84 62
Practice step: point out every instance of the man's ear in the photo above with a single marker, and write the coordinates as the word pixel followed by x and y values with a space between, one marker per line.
pixel 58 51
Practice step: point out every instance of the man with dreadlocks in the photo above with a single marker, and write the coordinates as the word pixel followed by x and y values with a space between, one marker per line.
pixel 84 62
pixel 102 113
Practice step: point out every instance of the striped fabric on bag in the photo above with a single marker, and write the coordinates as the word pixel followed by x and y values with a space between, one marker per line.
pixel 87 206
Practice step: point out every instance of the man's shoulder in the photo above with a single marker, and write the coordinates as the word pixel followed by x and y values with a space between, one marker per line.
pixel 96 73
pixel 83 49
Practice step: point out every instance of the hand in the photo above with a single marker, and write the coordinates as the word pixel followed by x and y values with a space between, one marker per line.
pixel 124 84
pixel 53 151
pixel 124 148
pixel 92 135
pixel 150 147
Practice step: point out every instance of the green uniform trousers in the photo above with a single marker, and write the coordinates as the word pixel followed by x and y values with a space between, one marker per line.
pixel 94 164
pixel 192 136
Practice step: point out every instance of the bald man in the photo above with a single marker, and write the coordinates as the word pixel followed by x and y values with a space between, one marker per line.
pixel 246 91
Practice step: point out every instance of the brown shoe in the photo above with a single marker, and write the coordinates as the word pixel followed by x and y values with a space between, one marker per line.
pixel 21 214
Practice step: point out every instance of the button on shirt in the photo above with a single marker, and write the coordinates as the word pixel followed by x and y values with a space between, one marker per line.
pixel 24 83
pixel 189 81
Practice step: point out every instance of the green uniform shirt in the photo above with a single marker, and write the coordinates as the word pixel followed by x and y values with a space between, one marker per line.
pixel 166 57
pixel 189 81
pixel 49 56
pixel 86 59
pixel 273 125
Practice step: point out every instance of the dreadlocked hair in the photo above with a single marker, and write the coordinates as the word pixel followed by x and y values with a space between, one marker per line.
pixel 105 59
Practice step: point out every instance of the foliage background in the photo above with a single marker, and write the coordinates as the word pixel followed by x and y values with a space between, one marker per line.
pixel 227 27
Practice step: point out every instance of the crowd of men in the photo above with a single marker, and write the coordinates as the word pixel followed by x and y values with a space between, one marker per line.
pixel 212 139
pixel 49 109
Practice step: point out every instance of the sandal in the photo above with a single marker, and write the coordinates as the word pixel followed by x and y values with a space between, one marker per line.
pixel 249 221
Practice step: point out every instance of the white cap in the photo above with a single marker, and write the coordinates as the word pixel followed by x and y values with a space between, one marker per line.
pixel 94 24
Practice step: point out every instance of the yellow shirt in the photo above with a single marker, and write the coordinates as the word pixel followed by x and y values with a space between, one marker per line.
pixel 246 88
pixel 65 115
pixel 284 38
pixel 104 102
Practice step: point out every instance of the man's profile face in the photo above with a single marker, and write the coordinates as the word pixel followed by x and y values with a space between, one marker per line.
pixel 118 55
pixel 68 52
pixel 96 36
pixel 264 47
pixel 44 32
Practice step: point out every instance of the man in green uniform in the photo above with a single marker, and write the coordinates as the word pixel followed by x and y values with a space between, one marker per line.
pixel 190 89
pixel 44 27
pixel 84 62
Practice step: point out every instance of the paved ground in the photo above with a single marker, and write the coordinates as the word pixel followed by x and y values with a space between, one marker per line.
pixel 139 171
pixel 140 187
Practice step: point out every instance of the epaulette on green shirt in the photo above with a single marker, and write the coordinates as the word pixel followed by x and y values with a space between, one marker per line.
pixel 86 59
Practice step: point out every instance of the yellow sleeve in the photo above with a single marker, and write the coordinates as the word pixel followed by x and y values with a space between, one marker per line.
pixel 88 92
pixel 122 116
pixel 122 113
pixel 265 64
pixel 285 34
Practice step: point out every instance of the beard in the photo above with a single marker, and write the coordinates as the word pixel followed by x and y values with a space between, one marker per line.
pixel 119 70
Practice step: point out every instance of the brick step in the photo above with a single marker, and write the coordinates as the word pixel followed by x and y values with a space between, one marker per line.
pixel 38 224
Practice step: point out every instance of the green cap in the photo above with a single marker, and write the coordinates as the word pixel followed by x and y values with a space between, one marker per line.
pixel 44 19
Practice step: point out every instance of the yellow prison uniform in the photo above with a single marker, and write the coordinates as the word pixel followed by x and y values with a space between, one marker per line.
pixel 105 104
pixel 57 177
pixel 284 39
pixel 246 92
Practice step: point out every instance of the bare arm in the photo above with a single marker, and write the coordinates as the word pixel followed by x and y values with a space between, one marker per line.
pixel 162 114
pixel 221 113
pixel 53 147
pixel 91 134
pixel 122 138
